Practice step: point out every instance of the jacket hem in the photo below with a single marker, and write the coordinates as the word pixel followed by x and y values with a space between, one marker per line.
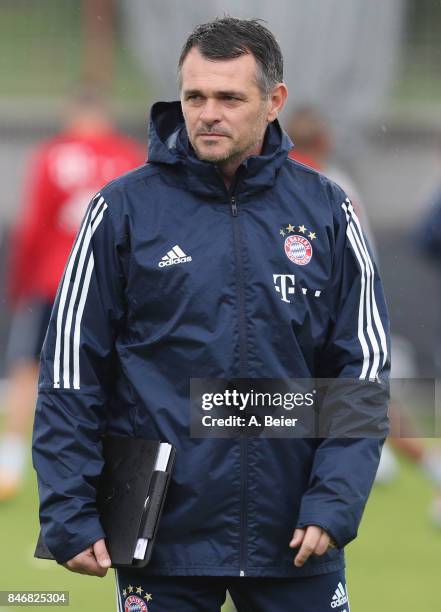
pixel 252 571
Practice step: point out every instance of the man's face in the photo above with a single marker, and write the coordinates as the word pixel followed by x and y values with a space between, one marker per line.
pixel 224 112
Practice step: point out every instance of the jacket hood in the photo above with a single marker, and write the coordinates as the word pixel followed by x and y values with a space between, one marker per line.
pixel 169 145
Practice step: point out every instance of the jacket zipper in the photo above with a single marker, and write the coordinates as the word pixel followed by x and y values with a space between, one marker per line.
pixel 233 206
pixel 243 371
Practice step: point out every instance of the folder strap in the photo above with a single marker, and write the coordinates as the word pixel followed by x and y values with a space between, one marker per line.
pixel 157 488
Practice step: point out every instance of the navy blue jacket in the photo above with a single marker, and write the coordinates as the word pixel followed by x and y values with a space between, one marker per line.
pixel 172 277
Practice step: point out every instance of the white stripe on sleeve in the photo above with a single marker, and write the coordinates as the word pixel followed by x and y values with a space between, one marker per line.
pixel 360 331
pixel 74 280
pixel 377 318
pixel 78 274
pixel 358 243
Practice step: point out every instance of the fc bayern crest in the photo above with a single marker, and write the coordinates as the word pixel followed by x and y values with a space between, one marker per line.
pixel 298 249
pixel 133 603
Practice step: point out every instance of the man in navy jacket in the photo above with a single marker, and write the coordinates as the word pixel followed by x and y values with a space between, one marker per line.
pixel 221 258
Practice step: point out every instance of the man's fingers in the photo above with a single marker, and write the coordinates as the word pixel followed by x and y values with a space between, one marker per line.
pixel 323 544
pixel 76 563
pixel 88 566
pixel 86 563
pixel 310 541
pixel 101 554
pixel 297 538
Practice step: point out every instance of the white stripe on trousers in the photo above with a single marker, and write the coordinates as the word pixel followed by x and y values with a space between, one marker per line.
pixel 119 603
pixel 89 226
pixel 367 294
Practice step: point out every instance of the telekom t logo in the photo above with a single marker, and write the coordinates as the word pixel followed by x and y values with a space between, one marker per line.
pixel 284 284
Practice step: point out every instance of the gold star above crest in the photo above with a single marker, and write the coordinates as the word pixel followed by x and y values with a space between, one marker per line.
pixel 124 593
pixel 302 229
pixel 290 227
pixel 139 590
pixel 130 588
pixel 282 233
pixel 148 596
pixel 312 235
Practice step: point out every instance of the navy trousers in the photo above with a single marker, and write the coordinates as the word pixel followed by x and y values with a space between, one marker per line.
pixel 138 593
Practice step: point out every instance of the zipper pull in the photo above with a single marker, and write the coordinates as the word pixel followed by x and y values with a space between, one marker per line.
pixel 233 206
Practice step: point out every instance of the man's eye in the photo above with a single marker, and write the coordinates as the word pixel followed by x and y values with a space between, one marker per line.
pixel 194 97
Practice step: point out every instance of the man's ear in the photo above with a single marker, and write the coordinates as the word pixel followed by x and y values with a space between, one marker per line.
pixel 278 98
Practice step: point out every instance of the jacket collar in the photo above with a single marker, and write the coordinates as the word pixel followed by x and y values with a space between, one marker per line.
pixel 170 147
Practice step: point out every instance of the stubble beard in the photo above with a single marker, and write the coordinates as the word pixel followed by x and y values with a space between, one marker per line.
pixel 235 156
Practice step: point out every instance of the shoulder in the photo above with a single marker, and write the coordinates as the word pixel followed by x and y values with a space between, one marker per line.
pixel 118 197
pixel 129 186
pixel 327 191
pixel 131 180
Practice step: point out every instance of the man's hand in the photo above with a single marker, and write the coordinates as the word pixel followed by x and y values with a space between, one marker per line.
pixel 94 561
pixel 312 540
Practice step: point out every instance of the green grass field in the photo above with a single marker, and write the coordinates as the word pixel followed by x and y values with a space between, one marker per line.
pixel 394 565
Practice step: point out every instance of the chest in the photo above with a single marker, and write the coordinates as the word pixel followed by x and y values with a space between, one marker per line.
pixel 195 260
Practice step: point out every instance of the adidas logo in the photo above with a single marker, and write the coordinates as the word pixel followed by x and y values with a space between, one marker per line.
pixel 175 256
pixel 339 598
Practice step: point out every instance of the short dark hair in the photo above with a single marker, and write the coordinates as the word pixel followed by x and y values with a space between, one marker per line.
pixel 229 37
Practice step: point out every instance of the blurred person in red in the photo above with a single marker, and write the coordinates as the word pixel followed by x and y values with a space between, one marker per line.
pixel 64 173
pixel 313 146
pixel 311 136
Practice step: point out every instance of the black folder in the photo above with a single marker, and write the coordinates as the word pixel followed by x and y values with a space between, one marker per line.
pixel 130 498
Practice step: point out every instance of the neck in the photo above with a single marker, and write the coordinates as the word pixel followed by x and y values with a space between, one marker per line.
pixel 228 168
pixel 227 173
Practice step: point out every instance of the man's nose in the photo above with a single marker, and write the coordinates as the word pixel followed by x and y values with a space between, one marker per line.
pixel 210 112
